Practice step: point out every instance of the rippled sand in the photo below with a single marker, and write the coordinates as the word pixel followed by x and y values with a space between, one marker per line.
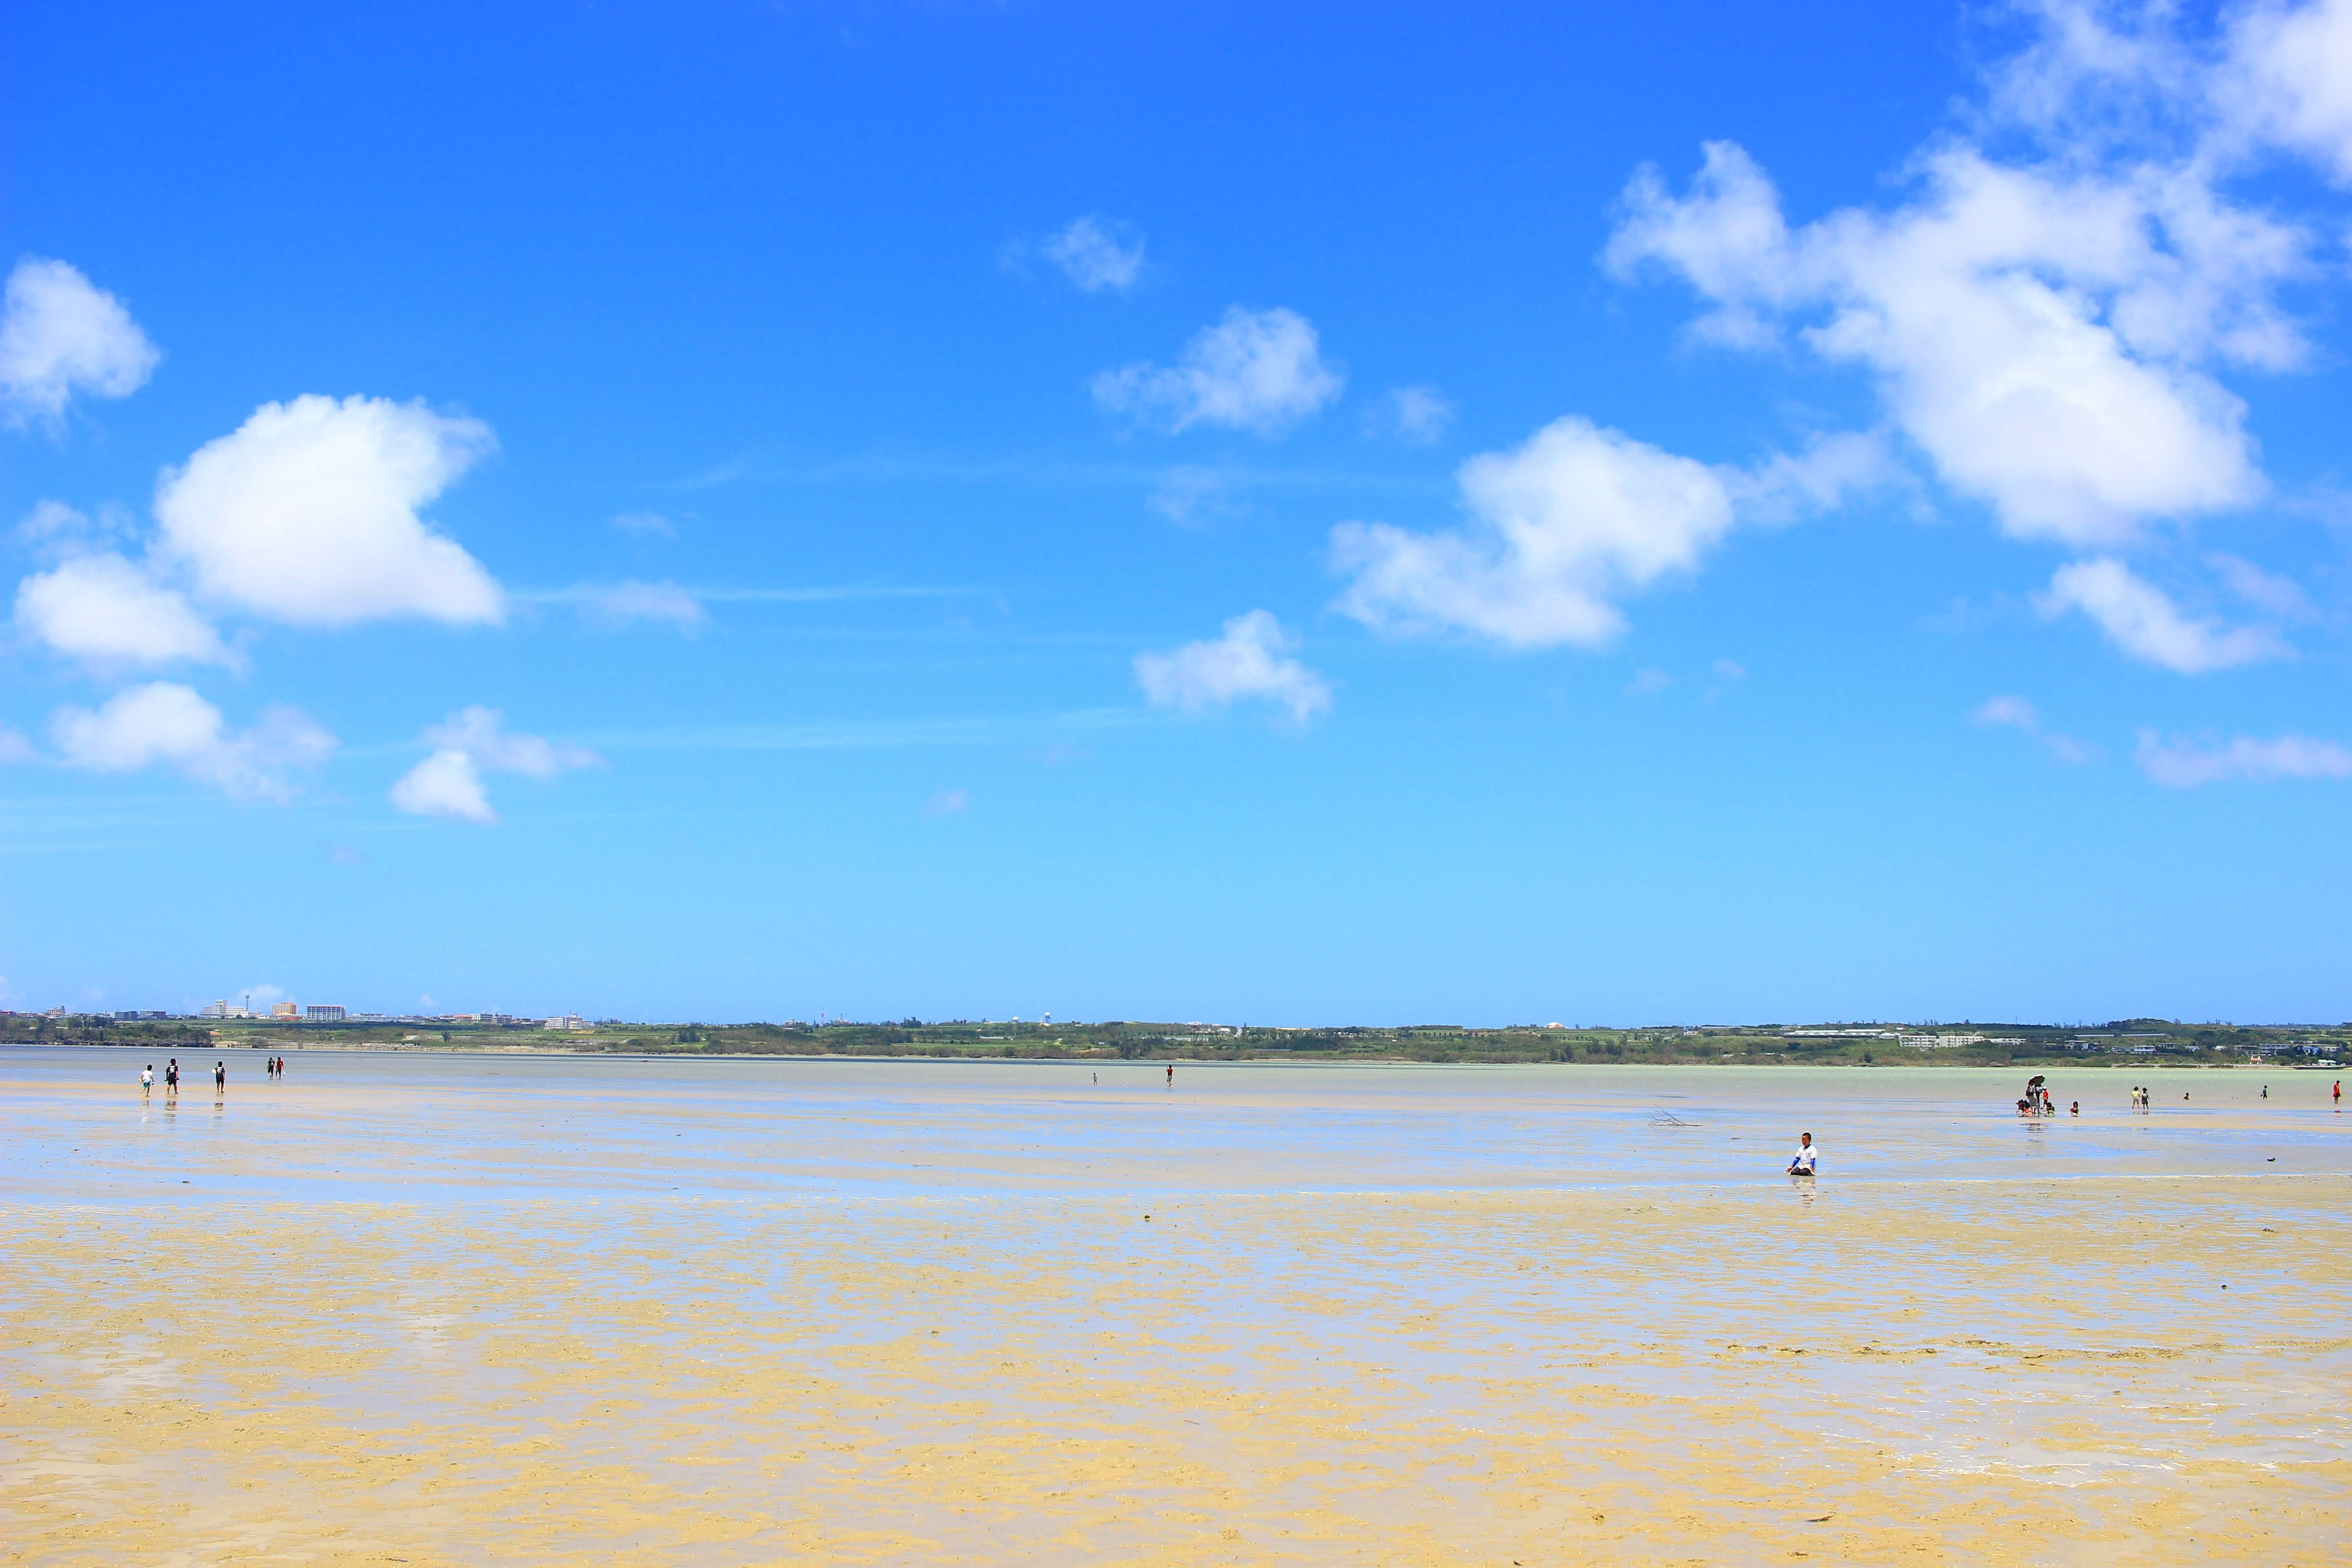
pixel 925 1319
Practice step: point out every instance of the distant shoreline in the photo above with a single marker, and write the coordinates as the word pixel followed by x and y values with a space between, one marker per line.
pixel 1938 1061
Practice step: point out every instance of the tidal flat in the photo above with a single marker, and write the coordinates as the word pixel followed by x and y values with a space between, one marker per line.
pixel 461 1310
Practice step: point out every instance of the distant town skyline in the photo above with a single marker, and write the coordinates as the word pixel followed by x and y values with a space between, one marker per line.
pixel 1276 514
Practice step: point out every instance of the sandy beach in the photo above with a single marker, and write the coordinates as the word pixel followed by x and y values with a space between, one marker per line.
pixel 470 1310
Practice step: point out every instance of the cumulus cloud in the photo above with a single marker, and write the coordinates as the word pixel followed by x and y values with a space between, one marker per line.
pixel 169 724
pixel 2017 713
pixel 307 514
pixel 1415 413
pixel 2045 310
pixel 1096 253
pixel 2038 332
pixel 105 609
pixel 448 783
pixel 62 334
pixel 2141 619
pixel 2184 764
pixel 1250 662
pixel 1261 371
pixel 1560 529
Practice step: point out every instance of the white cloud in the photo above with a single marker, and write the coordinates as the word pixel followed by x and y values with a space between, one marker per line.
pixel 108 610
pixel 445 785
pixel 645 524
pixel 2289 78
pixel 1560 529
pixel 1649 683
pixel 14 747
pixel 1094 256
pixel 448 783
pixel 2184 764
pixel 948 803
pixel 1250 661
pixel 1415 413
pixel 2017 713
pixel 1255 370
pixel 167 723
pixel 307 514
pixel 2037 331
pixel 2142 620
pixel 62 334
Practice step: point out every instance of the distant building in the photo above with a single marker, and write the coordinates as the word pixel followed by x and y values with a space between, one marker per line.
pixel 573 1021
pixel 284 1010
pixel 140 1013
pixel 325 1013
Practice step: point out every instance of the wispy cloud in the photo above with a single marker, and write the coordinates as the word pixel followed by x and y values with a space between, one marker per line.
pixel 1416 414
pixel 2142 620
pixel 1096 253
pixel 2183 763
pixel 948 803
pixel 2017 713
pixel 621 604
pixel 832 735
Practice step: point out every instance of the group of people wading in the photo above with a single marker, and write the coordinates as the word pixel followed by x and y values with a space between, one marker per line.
pixel 275 1067
pixel 2037 1100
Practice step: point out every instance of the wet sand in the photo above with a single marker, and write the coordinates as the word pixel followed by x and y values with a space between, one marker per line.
pixel 467 1310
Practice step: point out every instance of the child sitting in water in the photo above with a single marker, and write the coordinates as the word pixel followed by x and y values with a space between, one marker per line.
pixel 1802 1165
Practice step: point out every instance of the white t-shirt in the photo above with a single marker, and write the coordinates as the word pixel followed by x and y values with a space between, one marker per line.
pixel 1805 1160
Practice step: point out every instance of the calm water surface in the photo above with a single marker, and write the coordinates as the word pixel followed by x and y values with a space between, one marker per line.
pixel 374 1124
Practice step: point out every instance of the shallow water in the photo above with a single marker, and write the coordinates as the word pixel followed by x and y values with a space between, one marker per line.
pixel 467 1309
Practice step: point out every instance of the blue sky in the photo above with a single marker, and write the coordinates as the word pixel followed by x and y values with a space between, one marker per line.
pixel 1271 514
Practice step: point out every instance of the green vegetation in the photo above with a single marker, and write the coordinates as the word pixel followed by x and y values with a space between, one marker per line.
pixel 2125 1042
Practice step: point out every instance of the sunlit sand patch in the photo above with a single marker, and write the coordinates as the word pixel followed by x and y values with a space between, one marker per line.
pixel 1546 1378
